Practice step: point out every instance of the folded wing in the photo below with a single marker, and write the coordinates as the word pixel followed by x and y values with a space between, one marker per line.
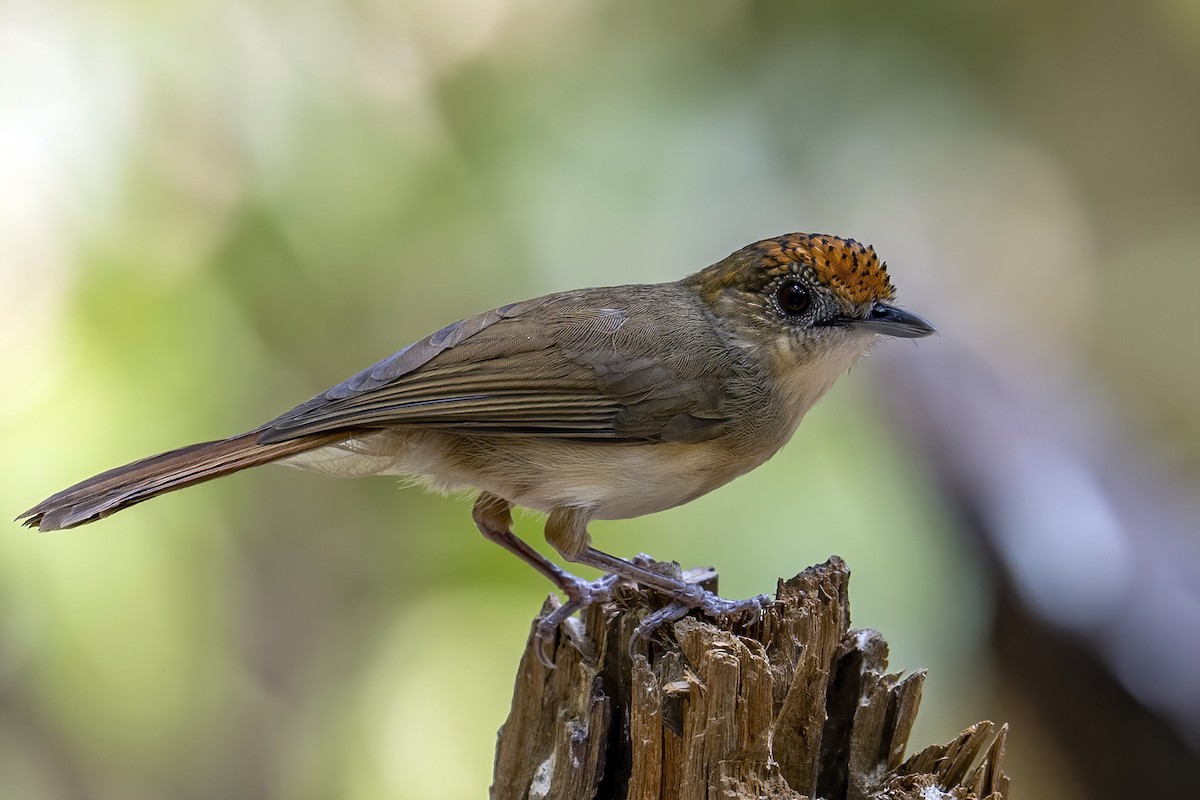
pixel 579 366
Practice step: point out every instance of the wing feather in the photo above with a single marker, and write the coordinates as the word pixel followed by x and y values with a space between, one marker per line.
pixel 583 365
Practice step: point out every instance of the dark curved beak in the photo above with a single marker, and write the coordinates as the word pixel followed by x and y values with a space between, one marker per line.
pixel 892 321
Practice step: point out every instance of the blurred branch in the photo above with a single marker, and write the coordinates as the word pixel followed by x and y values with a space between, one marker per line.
pixel 794 705
pixel 1095 557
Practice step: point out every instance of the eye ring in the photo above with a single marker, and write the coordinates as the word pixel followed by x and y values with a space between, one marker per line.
pixel 794 298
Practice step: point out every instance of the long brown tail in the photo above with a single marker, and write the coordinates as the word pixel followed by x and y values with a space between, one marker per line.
pixel 116 489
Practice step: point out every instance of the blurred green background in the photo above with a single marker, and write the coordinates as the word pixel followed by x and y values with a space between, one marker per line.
pixel 209 211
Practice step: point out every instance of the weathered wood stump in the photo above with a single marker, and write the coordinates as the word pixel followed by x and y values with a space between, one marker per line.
pixel 793 705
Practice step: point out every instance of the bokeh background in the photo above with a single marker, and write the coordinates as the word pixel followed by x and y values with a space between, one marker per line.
pixel 209 211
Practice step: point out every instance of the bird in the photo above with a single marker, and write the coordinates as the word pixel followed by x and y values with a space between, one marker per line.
pixel 593 404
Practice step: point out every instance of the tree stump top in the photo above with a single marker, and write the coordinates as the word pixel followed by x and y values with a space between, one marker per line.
pixel 792 705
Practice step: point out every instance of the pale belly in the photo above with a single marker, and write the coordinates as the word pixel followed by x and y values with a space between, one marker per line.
pixel 613 481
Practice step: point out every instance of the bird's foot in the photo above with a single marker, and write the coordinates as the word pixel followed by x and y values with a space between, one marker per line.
pixel 686 591
pixel 580 594
pixel 693 596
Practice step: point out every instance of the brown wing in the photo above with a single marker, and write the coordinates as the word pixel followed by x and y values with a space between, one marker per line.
pixel 583 365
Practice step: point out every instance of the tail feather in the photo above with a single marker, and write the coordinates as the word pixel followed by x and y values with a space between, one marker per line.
pixel 117 489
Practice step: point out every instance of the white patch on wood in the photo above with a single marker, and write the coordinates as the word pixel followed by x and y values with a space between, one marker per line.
pixel 933 793
pixel 539 787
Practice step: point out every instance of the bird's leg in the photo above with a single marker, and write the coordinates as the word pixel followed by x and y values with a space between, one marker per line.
pixel 493 517
pixel 566 530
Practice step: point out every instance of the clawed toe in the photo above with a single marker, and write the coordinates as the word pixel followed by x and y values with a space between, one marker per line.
pixel 546 629
pixel 580 595
pixel 713 606
pixel 652 622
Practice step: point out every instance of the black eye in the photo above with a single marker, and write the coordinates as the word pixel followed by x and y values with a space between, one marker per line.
pixel 794 298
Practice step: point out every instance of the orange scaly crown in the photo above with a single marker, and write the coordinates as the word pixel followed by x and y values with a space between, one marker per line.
pixel 852 270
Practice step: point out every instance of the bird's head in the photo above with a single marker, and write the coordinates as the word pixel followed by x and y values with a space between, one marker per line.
pixel 812 303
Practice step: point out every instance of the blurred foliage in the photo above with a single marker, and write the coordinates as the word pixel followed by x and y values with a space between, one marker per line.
pixel 210 211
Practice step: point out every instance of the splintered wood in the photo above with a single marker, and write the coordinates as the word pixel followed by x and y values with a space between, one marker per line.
pixel 791 706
